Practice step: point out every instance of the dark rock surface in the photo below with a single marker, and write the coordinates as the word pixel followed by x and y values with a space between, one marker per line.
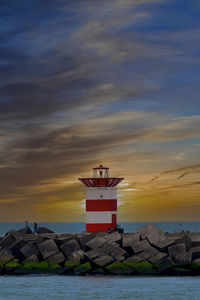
pixel 147 252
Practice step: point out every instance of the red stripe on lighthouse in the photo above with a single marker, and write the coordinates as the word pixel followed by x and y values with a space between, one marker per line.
pixel 101 205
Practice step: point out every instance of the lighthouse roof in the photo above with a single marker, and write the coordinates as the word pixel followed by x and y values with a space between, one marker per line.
pixel 100 167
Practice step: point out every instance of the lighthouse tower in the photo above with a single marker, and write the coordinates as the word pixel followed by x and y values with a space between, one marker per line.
pixel 101 200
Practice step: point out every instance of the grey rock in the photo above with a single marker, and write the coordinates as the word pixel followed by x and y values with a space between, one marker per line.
pixel 97 241
pixel 91 254
pixel 57 258
pixel 69 247
pixel 133 258
pixel 195 239
pixel 164 264
pixel 29 249
pixel 162 244
pixel 151 233
pixel 6 256
pixel 48 248
pixel 195 252
pixel 186 240
pixel 77 257
pixel 32 258
pixel 104 260
pixel 115 236
pixel 84 238
pixel 183 258
pixel 148 252
pixel 129 238
pixel 25 230
pixel 109 247
pixel 140 246
pixel 44 230
pixel 30 237
pixel 10 239
pixel 157 257
pixel 176 249
pixel 118 253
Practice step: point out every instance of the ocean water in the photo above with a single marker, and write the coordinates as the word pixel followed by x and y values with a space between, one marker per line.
pixel 79 227
pixel 57 287
pixel 96 287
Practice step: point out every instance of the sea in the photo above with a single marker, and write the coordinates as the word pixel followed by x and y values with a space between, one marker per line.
pixel 53 287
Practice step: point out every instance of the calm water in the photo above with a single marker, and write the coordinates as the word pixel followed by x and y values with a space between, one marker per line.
pixel 42 287
pixel 105 288
pixel 128 227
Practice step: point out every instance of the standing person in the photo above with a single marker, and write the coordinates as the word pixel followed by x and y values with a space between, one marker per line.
pixel 26 224
pixel 35 228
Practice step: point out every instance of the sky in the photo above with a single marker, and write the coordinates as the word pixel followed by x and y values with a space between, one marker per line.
pixel 112 82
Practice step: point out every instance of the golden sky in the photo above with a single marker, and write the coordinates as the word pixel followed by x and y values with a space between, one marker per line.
pixel 94 82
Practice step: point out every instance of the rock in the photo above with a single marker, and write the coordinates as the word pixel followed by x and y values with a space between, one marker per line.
pixel 29 249
pixel 25 230
pixel 119 268
pixel 48 248
pixel 176 249
pixel 119 254
pixel 84 238
pixel 98 271
pixel 162 262
pixel 10 239
pixel 69 247
pixel 41 267
pixel 195 239
pixel 69 265
pixel 31 259
pixel 186 240
pixel 97 241
pixel 44 230
pixel 104 260
pixel 115 236
pixel 82 269
pixel 62 240
pixel 11 266
pixel 145 268
pixel 195 252
pixel 151 233
pixel 162 244
pixel 181 272
pixel 6 256
pixel 196 264
pixel 148 252
pixel 129 238
pixel 57 258
pixel 91 254
pixel 77 256
pixel 110 246
pixel 30 237
pixel 140 246
pixel 156 258
pixel 183 258
pixel 133 259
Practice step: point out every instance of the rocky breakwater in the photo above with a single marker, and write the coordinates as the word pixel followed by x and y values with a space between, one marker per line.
pixel 147 252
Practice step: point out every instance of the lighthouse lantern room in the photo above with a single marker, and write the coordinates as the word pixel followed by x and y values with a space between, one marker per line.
pixel 101 200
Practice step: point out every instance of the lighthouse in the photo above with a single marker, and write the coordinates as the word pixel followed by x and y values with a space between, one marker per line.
pixel 101 200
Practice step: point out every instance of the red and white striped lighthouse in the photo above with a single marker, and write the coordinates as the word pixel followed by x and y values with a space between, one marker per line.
pixel 101 200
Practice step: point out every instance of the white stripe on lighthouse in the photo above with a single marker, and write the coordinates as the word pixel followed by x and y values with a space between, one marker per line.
pixel 99 217
pixel 101 193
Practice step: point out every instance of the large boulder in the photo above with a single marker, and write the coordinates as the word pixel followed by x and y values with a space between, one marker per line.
pixel 185 240
pixel 183 258
pixel 104 260
pixel 57 258
pixel 77 257
pixel 176 250
pixel 119 268
pixel 195 239
pixel 163 243
pixel 25 230
pixel 48 248
pixel 97 241
pixel 31 259
pixel 129 238
pixel 140 246
pixel 69 247
pixel 82 269
pixel 84 238
pixel 148 252
pixel 6 256
pixel 195 252
pixel 44 230
pixel 151 233
pixel 29 249
pixel 92 254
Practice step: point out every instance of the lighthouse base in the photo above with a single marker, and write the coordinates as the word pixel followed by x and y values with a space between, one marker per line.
pixel 95 227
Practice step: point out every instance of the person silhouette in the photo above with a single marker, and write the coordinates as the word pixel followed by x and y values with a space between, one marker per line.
pixel 35 228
